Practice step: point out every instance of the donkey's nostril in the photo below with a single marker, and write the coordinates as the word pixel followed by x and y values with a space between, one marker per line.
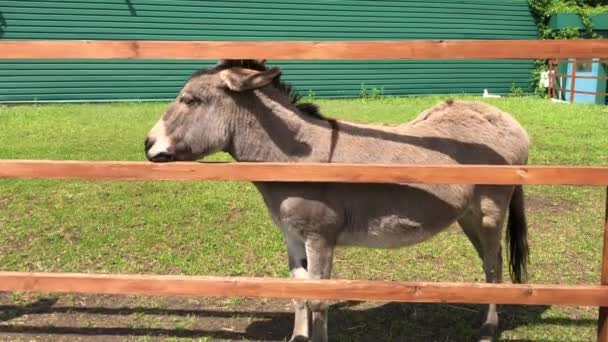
pixel 149 142
pixel 162 157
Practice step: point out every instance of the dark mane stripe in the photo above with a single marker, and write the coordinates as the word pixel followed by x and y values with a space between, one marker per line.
pixel 307 108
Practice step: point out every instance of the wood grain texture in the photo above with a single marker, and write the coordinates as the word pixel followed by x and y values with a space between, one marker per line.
pixel 412 292
pixel 583 77
pixel 581 91
pixel 300 172
pixel 398 49
pixel 573 81
pixel 602 324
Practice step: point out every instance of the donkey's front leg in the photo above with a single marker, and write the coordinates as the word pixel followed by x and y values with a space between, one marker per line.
pixel 298 269
pixel 319 253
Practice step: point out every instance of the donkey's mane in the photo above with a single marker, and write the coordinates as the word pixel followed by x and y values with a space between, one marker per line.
pixel 307 108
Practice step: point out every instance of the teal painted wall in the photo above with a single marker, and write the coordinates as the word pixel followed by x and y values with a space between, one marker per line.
pixel 50 80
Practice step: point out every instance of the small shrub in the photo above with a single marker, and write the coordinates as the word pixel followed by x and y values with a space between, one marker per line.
pixel 311 96
pixel 377 93
pixel 516 90
pixel 374 94
pixel 363 91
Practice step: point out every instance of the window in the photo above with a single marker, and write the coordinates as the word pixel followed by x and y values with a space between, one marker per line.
pixel 584 67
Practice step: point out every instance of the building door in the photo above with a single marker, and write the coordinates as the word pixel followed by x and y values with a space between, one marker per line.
pixel 584 68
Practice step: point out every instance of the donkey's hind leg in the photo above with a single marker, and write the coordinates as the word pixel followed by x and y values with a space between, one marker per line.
pixel 298 268
pixel 483 226
pixel 320 258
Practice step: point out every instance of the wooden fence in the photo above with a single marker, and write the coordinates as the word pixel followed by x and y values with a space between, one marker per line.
pixel 529 294
pixel 558 88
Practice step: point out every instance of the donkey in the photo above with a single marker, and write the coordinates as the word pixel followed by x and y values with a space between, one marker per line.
pixel 243 108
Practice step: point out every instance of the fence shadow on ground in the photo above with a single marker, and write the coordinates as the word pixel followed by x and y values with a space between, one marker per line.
pixel 395 321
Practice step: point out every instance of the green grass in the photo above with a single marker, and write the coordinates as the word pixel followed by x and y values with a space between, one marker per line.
pixel 222 228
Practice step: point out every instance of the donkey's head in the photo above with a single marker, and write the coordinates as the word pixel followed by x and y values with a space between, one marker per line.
pixel 200 120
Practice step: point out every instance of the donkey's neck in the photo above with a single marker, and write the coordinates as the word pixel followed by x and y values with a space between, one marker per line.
pixel 276 131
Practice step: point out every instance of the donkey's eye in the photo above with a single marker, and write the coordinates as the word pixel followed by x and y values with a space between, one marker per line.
pixel 189 100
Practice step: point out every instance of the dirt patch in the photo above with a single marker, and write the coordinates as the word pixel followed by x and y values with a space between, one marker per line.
pixel 119 318
pixel 114 318
pixel 540 204
pixel 4 200
pixel 235 214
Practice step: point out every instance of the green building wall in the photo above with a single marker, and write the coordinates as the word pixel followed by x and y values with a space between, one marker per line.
pixel 72 80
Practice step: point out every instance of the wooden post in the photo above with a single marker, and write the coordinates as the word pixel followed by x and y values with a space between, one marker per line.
pixel 549 76
pixel 551 87
pixel 573 82
pixel 602 324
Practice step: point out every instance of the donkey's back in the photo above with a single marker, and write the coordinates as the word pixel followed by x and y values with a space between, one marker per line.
pixel 452 132
pixel 486 134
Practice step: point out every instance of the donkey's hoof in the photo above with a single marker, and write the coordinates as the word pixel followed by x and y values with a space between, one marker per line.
pixel 316 305
pixel 299 338
pixel 487 333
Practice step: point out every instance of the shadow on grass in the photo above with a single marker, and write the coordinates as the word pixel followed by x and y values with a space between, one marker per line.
pixel 392 321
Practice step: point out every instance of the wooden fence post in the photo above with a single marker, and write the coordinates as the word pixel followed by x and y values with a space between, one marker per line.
pixel 550 76
pixel 602 324
pixel 573 81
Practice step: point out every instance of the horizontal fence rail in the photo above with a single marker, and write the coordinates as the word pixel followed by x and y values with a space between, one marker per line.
pixel 384 291
pixel 300 172
pixel 414 49
pixel 568 90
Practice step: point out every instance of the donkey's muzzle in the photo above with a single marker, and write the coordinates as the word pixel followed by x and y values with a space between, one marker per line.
pixel 162 157
pixel 148 144
pixel 158 157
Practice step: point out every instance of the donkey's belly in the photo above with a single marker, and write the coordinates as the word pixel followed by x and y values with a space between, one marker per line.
pixel 402 215
pixel 390 232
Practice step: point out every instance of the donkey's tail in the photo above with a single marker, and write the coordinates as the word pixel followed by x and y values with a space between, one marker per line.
pixel 517 237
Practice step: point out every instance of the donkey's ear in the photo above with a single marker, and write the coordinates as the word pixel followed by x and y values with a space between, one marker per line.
pixel 223 62
pixel 239 79
pixel 245 63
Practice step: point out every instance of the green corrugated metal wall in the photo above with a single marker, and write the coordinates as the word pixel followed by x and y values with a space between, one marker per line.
pixel 260 20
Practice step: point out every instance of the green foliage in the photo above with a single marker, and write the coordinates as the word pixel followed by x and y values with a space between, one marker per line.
pixel 372 94
pixel 542 10
pixel 540 66
pixel 516 90
pixel 377 93
pixel 587 7
pixel 363 91
pixel 311 96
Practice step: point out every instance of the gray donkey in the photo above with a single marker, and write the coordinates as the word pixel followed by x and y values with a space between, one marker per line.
pixel 241 107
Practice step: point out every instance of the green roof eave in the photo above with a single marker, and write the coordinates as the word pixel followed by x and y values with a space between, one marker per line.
pixel 571 20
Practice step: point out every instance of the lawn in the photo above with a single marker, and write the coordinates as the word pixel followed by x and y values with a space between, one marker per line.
pixel 222 228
